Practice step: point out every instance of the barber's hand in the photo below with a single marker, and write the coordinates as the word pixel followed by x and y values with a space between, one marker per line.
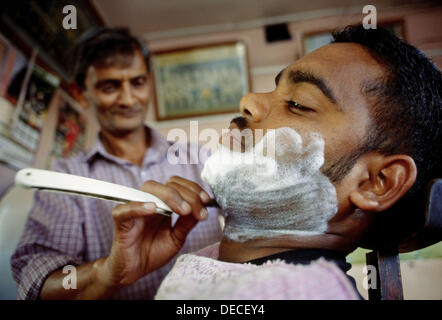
pixel 144 240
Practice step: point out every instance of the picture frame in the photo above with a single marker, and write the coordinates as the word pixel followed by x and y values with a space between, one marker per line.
pixel 314 40
pixel 28 28
pixel 69 132
pixel 31 113
pixel 200 80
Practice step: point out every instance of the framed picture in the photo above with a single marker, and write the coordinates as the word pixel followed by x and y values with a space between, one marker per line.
pixel 312 41
pixel 38 25
pixel 13 68
pixel 199 81
pixel 69 132
pixel 32 115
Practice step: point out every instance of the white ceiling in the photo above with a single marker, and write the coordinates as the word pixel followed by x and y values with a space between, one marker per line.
pixel 153 19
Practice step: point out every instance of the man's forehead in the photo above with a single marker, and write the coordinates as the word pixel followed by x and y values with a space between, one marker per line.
pixel 120 66
pixel 344 66
pixel 342 59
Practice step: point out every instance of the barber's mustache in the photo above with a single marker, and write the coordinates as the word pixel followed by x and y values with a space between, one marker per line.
pixel 120 108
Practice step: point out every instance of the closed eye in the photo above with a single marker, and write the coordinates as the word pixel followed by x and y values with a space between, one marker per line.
pixel 294 106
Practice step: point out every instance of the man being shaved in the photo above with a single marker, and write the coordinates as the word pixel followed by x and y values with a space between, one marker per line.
pixel 361 121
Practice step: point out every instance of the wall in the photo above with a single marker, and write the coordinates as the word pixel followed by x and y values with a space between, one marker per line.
pixel 422 29
pixel 422 278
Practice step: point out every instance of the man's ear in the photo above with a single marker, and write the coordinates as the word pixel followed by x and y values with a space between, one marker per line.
pixel 150 83
pixel 78 94
pixel 384 180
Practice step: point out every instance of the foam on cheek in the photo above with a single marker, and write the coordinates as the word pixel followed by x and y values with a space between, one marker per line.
pixel 265 194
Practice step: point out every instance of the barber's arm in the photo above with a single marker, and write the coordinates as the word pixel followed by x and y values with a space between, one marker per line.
pixel 143 242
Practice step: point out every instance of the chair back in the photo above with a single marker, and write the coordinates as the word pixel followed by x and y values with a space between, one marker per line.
pixel 386 260
pixel 14 209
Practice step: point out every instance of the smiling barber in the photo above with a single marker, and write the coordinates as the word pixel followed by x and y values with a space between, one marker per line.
pixel 107 244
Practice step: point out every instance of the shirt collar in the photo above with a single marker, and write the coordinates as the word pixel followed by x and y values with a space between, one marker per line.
pixel 155 153
pixel 306 256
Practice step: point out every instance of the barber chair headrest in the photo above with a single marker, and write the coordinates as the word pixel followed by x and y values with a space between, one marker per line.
pixel 431 231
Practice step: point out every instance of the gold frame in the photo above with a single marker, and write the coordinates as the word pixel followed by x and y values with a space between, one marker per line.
pixel 200 80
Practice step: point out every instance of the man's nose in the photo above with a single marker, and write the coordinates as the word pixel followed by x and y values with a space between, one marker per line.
pixel 255 106
pixel 127 98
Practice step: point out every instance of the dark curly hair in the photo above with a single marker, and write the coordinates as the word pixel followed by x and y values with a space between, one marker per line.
pixel 406 118
pixel 103 46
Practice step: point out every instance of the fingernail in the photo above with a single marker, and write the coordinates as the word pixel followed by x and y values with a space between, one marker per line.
pixel 149 205
pixel 185 207
pixel 203 213
pixel 204 196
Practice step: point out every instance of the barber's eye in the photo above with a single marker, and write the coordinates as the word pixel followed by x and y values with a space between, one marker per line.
pixel 138 82
pixel 108 88
pixel 294 106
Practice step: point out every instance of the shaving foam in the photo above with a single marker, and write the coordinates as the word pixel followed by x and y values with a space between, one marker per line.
pixel 274 189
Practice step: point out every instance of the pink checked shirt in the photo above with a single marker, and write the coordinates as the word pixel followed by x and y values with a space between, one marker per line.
pixel 63 229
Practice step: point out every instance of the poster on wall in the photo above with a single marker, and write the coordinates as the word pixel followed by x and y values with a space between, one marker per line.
pixel 13 66
pixel 4 51
pixel 39 25
pixel 30 120
pixel 69 133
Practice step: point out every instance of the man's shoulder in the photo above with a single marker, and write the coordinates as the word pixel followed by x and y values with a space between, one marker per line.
pixel 320 280
pixel 276 279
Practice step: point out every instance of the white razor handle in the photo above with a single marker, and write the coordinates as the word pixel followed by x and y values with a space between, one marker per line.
pixel 68 183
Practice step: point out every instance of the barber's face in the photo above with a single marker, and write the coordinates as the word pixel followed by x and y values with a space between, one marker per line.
pixel 120 94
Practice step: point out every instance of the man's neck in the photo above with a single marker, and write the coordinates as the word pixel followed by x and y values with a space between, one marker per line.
pixel 344 232
pixel 131 145
pixel 239 252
